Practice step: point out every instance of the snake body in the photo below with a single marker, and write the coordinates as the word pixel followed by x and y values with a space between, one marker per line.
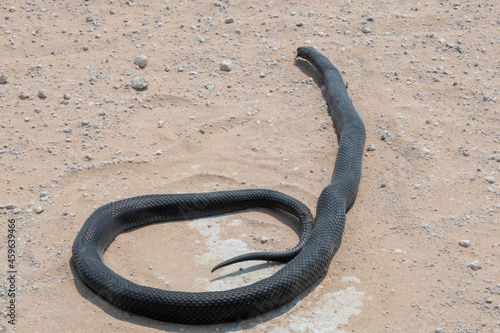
pixel 307 262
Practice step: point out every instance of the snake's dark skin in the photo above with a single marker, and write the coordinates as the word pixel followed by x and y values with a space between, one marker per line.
pixel 307 262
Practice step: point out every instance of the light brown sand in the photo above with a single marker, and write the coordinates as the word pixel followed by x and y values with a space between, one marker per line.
pixel 425 72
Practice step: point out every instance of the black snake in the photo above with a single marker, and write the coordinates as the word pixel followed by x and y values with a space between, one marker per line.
pixel 307 262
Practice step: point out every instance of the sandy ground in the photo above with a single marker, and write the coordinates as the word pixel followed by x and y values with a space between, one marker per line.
pixel 423 76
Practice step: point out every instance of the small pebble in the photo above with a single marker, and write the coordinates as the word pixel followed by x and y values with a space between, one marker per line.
pixel 475 265
pixel 3 79
pixel 141 61
pixel 490 179
pixel 385 135
pixel 38 209
pixel 226 65
pixel 488 300
pixel 263 239
pixel 300 23
pixel 42 93
pixel 371 147
pixel 229 20
pixel 10 206
pixel 139 83
pixel 366 29
pixel 24 95
pixel 464 243
pixel 67 96
pixel 425 151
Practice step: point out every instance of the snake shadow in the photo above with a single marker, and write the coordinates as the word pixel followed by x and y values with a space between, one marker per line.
pixel 311 72
pixel 132 318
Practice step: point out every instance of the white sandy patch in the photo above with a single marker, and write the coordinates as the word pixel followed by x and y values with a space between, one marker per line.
pixel 324 315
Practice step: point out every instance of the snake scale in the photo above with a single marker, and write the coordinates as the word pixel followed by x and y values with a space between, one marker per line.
pixel 306 263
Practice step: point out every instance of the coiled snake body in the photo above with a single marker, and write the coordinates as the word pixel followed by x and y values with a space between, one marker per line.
pixel 307 262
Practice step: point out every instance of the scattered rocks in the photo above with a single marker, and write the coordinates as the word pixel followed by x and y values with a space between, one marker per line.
pixel 141 61
pixel 475 265
pixel 139 83
pixel 463 150
pixel 3 79
pixel 226 65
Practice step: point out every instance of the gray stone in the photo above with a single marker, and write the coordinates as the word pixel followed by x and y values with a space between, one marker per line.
pixel 226 65
pixel 229 20
pixel 42 93
pixel 371 147
pixel 38 209
pixel 464 243
pixel 490 179
pixel 475 265
pixel 141 61
pixel 3 79
pixel 139 83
